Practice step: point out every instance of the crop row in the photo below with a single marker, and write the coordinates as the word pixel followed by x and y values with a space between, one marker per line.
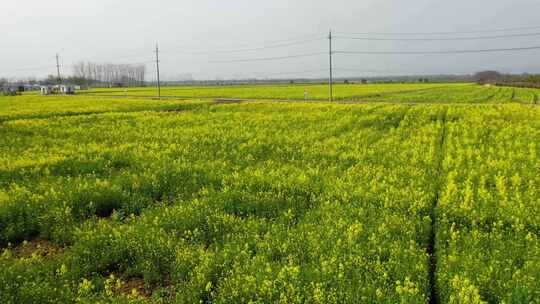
pixel 35 107
pixel 286 206
pixel 488 216
pixel 395 93
pixel 462 94
pixel 292 91
pixel 262 202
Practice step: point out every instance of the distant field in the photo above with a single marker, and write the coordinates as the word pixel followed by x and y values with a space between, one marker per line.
pixel 421 192
pixel 413 93
pixel 295 92
pixel 33 106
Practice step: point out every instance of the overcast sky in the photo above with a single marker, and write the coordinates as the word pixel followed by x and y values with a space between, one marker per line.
pixel 125 31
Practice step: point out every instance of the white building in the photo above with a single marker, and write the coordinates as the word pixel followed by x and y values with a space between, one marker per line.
pixel 67 90
pixel 45 90
pixel 57 89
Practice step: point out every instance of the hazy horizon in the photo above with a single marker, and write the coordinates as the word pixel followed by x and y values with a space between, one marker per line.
pixel 122 31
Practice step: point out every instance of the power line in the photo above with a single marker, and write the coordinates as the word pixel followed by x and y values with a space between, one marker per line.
pixel 249 47
pixel 363 70
pixel 269 58
pixel 48 67
pixel 403 72
pixel 157 71
pixel 317 37
pixel 259 75
pixel 370 71
pixel 293 72
pixel 446 33
pixel 300 42
pixel 439 72
pixel 110 60
pixel 436 52
pixel 58 68
pixel 134 63
pixel 263 74
pixel 439 39
pixel 331 76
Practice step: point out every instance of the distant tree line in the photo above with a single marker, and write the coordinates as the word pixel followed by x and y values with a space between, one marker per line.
pixel 497 78
pixel 110 75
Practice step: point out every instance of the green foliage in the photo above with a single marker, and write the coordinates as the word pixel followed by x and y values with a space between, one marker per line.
pixel 395 93
pixel 271 202
pixel 489 211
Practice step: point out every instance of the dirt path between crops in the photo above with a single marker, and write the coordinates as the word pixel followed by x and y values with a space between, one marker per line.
pixel 432 246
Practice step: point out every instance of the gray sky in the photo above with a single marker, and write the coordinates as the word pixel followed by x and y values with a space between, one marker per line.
pixel 125 31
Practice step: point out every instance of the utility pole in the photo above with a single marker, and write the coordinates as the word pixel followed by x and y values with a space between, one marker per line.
pixel 157 69
pixel 58 68
pixel 331 78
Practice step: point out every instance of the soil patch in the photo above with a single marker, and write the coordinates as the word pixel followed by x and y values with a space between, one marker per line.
pixel 41 248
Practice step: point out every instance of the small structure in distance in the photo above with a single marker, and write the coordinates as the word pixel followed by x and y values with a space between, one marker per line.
pixel 11 90
pixel 57 89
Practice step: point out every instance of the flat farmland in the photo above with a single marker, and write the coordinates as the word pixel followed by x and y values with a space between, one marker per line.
pixel 279 91
pixel 394 93
pixel 416 194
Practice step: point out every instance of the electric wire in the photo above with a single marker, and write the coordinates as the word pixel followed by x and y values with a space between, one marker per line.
pixel 311 38
pixel 269 58
pixel 32 68
pixel 402 72
pixel 300 42
pixel 250 48
pixel 439 39
pixel 513 29
pixel 292 72
pixel 437 52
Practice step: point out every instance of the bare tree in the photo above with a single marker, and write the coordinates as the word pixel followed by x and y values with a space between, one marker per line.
pixel 109 74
